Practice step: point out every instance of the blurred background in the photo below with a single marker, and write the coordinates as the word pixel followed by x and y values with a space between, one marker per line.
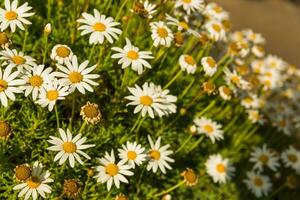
pixel 277 20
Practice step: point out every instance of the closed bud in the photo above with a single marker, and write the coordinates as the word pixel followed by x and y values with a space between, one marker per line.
pixel 47 29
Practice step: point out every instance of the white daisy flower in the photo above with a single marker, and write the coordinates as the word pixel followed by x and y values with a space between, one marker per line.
pixel 111 172
pixel 209 65
pixel 131 55
pixel 77 77
pixel 216 12
pixel 181 25
pixel 159 156
pixel 254 116
pixel 161 34
pixel 225 92
pixel 221 170
pixel 9 84
pixel 233 79
pixel 52 92
pixel 61 53
pixel 36 184
pixel 209 128
pixel 13 16
pixel 35 79
pixel 187 63
pixel 258 184
pixel 190 5
pixel 258 51
pixel 17 59
pixel 151 99
pixel 133 154
pixel 215 30
pixel 255 38
pixel 264 157
pixel 251 101
pixel 69 147
pixel 291 158
pixel 100 27
pixel 150 9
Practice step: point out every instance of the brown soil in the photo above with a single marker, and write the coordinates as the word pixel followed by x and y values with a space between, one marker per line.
pixel 278 21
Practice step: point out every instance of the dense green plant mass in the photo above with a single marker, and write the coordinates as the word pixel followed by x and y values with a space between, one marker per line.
pixel 168 71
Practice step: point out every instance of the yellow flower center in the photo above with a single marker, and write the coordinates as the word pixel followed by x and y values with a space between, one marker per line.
pixel 248 99
pixel 146 100
pixel 4 129
pixel 264 159
pixel 186 1
pixel 112 169
pixel 3 85
pixel 218 9
pixel 131 155
pixel 133 55
pixel 292 158
pixel 3 38
pixel 22 172
pixel 33 182
pixel 211 62
pixel 235 80
pixel 162 32
pixel 75 77
pixel 69 147
pixel 18 60
pixel 208 128
pixel 258 182
pixel 99 27
pixel 154 154
pixel 189 60
pixel 217 28
pixel 184 25
pixel 71 187
pixel 221 168
pixel 63 52
pixel 52 95
pixel 227 91
pixel 91 111
pixel 190 176
pixel 11 15
pixel 36 81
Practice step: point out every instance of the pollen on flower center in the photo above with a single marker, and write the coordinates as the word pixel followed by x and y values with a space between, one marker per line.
pixel 258 182
pixel 208 128
pixel 211 62
pixel 63 52
pixel 133 55
pixel 36 81
pixel 235 80
pixel 162 32
pixel 184 25
pixel 218 9
pixel 248 100
pixel 75 77
pixel 91 111
pixel 99 27
pixel 217 27
pixel 154 154
pixel 22 172
pixel 292 158
pixel 264 159
pixel 69 147
pixel 226 90
pixel 189 60
pixel 52 95
pixel 146 100
pixel 11 15
pixel 186 1
pixel 33 182
pixel 221 168
pixel 3 38
pixel 3 85
pixel 4 129
pixel 18 60
pixel 190 176
pixel 112 169
pixel 131 155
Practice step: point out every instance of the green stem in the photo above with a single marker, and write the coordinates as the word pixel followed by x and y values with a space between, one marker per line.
pixel 73 111
pixel 57 117
pixel 196 144
pixel 138 128
pixel 124 79
pixel 135 124
pixel 82 127
pixel 173 79
pixel 120 10
pixel 45 49
pixel 170 189
pixel 277 191
pixel 184 143
pixel 25 40
pixel 187 89
pixel 108 195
